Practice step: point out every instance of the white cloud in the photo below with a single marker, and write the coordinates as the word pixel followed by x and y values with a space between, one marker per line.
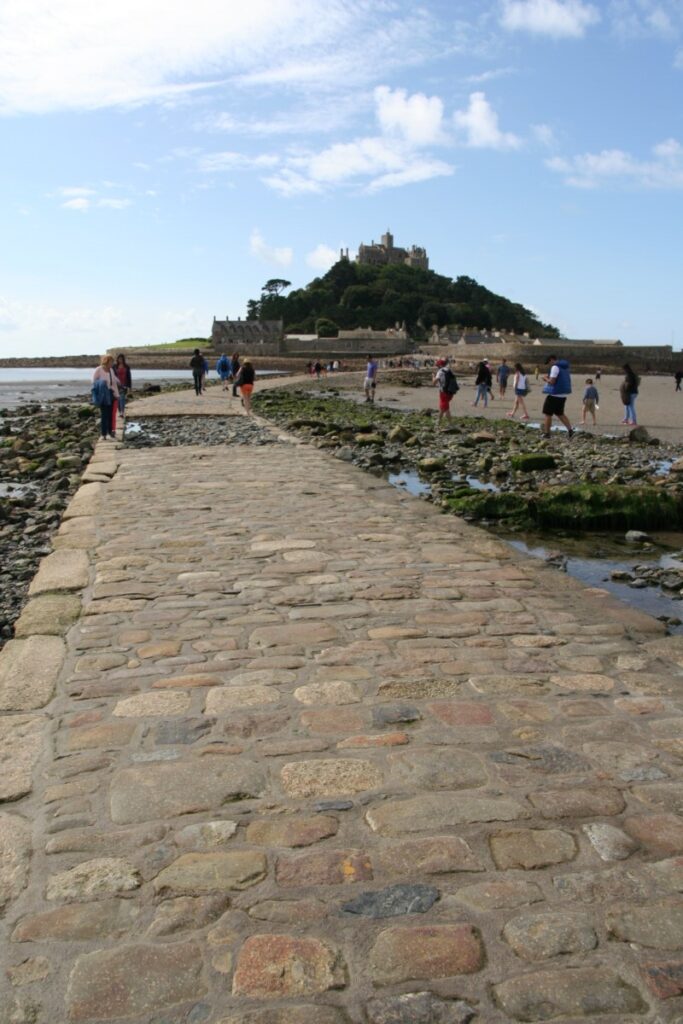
pixel 418 170
pixel 69 193
pixel 114 204
pixel 417 118
pixel 480 124
pixel 322 257
pixel 77 55
pixel 80 204
pixel 544 135
pixel 614 166
pixel 561 19
pixel 635 19
pixel 489 76
pixel 258 247
pixel 213 163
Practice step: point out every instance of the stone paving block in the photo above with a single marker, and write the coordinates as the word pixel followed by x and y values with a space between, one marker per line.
pixel 437 855
pixel 657 926
pixel 21 741
pixel 271 966
pixel 323 867
pixel 295 1014
pixel 79 922
pixel 194 873
pixel 330 777
pixel 578 803
pixel 532 848
pixel 425 952
pixel 661 834
pixel 442 810
pixel 436 769
pixel 664 978
pixel 418 1008
pixel 222 700
pixel 302 831
pixel 340 692
pixel 609 842
pixel 134 980
pixel 15 852
pixel 65 569
pixel 499 894
pixel 48 615
pixel 307 634
pixel 104 876
pixel 572 991
pixel 145 705
pixel 29 669
pixel 161 791
pixel 541 936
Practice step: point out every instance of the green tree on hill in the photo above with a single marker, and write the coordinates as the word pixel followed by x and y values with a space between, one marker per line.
pixel 357 295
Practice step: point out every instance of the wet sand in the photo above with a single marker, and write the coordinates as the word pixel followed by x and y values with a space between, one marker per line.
pixel 659 406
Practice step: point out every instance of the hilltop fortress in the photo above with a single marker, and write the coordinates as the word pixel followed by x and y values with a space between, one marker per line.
pixel 385 252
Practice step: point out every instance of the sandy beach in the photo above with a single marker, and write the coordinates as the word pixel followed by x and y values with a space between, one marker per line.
pixel 659 406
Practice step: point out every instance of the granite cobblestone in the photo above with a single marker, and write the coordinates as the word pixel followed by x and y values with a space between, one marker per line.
pixel 313 754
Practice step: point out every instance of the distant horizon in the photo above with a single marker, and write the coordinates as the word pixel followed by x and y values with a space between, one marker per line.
pixel 160 164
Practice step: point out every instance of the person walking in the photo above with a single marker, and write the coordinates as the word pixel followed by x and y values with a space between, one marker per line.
pixel 224 369
pixel 235 367
pixel 590 401
pixel 245 382
pixel 483 381
pixel 370 382
pixel 558 387
pixel 678 377
pixel 445 380
pixel 197 367
pixel 502 374
pixel 521 389
pixel 628 392
pixel 105 393
pixel 123 376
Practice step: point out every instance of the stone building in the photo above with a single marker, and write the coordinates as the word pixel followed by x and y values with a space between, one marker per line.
pixel 228 335
pixel 385 252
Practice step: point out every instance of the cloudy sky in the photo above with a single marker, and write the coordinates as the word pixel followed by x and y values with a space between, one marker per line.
pixel 162 159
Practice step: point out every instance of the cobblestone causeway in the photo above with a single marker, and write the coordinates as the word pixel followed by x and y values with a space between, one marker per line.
pixel 313 753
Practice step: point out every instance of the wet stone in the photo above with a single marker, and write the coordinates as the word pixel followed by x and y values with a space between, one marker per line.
pixel 570 992
pixel 657 926
pixel 134 980
pixel 271 966
pixel 424 952
pixel 393 901
pixel 541 936
pixel 418 1008
pixel 532 848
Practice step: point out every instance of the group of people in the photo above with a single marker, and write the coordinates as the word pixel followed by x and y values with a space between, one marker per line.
pixel 230 371
pixel 111 383
pixel 557 387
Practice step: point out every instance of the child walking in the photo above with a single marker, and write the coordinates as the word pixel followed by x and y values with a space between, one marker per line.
pixel 590 401
pixel 521 390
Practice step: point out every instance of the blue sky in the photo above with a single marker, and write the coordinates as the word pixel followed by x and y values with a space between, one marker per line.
pixel 162 160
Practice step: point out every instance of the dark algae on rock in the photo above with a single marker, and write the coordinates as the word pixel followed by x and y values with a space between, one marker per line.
pixel 43 451
pixel 504 474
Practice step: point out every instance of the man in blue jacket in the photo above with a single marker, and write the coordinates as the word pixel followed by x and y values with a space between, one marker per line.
pixel 558 387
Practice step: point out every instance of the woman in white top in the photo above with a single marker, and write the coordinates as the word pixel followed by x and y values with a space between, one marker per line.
pixel 521 389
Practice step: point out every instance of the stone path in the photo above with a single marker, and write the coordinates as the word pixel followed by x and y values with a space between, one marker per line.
pixel 282 745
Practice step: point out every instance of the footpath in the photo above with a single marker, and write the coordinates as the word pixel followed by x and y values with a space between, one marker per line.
pixel 281 744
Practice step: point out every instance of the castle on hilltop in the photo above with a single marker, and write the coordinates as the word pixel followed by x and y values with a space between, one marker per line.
pixel 385 252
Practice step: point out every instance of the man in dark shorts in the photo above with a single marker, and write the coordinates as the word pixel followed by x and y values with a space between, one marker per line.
pixel 558 387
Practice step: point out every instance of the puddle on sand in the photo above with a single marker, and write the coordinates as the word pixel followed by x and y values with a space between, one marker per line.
pixel 595 571
pixel 410 480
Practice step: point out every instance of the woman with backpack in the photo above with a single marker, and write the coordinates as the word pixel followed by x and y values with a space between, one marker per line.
pixel 521 388
pixel 245 382
pixel 444 378
pixel 105 392
pixel 628 393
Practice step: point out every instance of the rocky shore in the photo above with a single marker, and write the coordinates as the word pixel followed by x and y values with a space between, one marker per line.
pixel 43 451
